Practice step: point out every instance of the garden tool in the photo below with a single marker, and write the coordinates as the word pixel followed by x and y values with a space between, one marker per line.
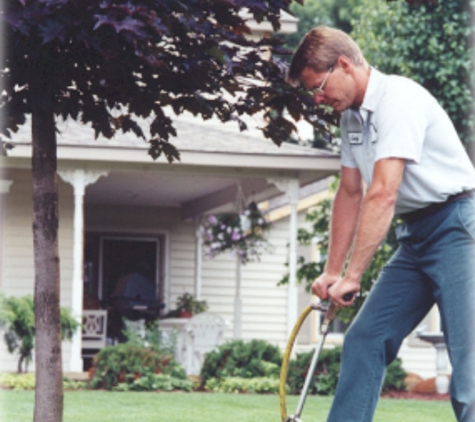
pixel 330 311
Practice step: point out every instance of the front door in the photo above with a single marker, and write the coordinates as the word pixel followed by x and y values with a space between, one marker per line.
pixel 126 267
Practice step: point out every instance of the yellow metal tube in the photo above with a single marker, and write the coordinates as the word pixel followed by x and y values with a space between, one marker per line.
pixel 286 360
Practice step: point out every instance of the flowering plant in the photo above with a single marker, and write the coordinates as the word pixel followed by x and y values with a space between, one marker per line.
pixel 243 234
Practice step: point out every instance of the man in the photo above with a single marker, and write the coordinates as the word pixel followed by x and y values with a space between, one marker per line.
pixel 400 156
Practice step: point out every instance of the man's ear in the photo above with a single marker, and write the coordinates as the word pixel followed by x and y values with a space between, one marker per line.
pixel 345 63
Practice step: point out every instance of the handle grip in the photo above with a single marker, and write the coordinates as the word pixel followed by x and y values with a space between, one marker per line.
pixel 332 309
pixel 347 297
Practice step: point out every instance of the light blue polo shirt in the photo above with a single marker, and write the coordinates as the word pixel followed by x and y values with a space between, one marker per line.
pixel 400 119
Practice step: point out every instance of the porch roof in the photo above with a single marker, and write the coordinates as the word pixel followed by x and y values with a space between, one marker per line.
pixel 215 157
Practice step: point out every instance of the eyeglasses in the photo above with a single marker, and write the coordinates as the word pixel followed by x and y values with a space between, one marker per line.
pixel 320 89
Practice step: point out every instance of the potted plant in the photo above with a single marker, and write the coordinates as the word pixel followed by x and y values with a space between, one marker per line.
pixel 243 234
pixel 187 305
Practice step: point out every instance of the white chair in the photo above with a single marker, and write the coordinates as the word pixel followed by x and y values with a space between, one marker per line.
pixel 94 332
pixel 204 332
pixel 173 334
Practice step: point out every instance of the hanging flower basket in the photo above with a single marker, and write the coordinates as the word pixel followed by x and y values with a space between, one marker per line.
pixel 242 234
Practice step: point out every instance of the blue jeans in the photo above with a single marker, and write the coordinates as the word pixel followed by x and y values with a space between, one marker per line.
pixel 435 263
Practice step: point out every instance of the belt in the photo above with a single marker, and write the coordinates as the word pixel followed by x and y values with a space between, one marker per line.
pixel 413 216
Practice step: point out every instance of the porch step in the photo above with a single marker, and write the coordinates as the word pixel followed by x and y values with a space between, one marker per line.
pixel 77 376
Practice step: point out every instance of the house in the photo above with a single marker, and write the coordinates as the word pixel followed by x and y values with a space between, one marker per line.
pixel 121 212
pixel 132 212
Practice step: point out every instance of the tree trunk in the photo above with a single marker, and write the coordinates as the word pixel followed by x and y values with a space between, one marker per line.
pixel 471 9
pixel 49 387
pixel 20 365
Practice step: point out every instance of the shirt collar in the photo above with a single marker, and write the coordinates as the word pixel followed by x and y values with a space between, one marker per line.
pixel 373 90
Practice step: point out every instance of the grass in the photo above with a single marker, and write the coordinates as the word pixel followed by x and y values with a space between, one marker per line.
pixel 103 406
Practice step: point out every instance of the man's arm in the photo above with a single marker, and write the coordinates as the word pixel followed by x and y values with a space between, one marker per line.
pixel 376 215
pixel 345 213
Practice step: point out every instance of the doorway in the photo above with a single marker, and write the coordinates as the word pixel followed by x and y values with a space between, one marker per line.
pixel 121 257
pixel 125 275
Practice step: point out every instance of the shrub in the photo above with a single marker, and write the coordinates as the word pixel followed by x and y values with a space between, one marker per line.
pixel 237 358
pixel 128 362
pixel 254 367
pixel 69 384
pixel 17 317
pixel 326 373
pixel 18 381
pixel 328 368
pixel 244 385
pixel 28 382
pixel 144 363
pixel 395 376
pixel 155 382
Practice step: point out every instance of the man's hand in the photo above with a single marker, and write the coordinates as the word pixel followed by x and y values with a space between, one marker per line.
pixel 342 287
pixel 321 285
pixel 332 286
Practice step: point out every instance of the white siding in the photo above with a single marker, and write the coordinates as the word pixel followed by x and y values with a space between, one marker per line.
pixel 18 274
pixel 264 304
pixel 182 262
pixel 18 268
pixel 418 359
pixel 264 313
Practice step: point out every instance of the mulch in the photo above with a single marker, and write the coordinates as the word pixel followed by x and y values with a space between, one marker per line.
pixel 415 396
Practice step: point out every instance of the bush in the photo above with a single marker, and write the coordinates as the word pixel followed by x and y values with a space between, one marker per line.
pixel 237 358
pixel 144 363
pixel 69 384
pixel 155 382
pixel 244 385
pixel 395 376
pixel 328 369
pixel 28 382
pixel 17 317
pixel 128 362
pixel 18 381
pixel 326 373
pixel 254 367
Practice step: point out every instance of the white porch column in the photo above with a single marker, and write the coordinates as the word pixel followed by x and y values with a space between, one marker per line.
pixel 79 179
pixel 4 189
pixel 291 188
pixel 198 257
pixel 5 186
pixel 237 324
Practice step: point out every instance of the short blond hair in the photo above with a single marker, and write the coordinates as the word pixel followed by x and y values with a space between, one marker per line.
pixel 320 49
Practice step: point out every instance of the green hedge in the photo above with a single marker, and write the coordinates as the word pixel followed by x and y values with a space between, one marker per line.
pixel 244 385
pixel 254 366
pixel 256 358
pixel 125 363
pixel 327 372
pixel 28 382
pixel 17 318
pixel 155 382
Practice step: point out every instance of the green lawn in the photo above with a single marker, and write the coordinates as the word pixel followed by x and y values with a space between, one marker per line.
pixel 102 406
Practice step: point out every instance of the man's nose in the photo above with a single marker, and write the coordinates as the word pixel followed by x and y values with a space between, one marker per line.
pixel 318 98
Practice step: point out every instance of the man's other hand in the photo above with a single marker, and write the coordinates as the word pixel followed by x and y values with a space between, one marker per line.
pixel 341 288
pixel 321 285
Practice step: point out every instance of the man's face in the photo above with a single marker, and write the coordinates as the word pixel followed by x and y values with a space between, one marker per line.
pixel 338 90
